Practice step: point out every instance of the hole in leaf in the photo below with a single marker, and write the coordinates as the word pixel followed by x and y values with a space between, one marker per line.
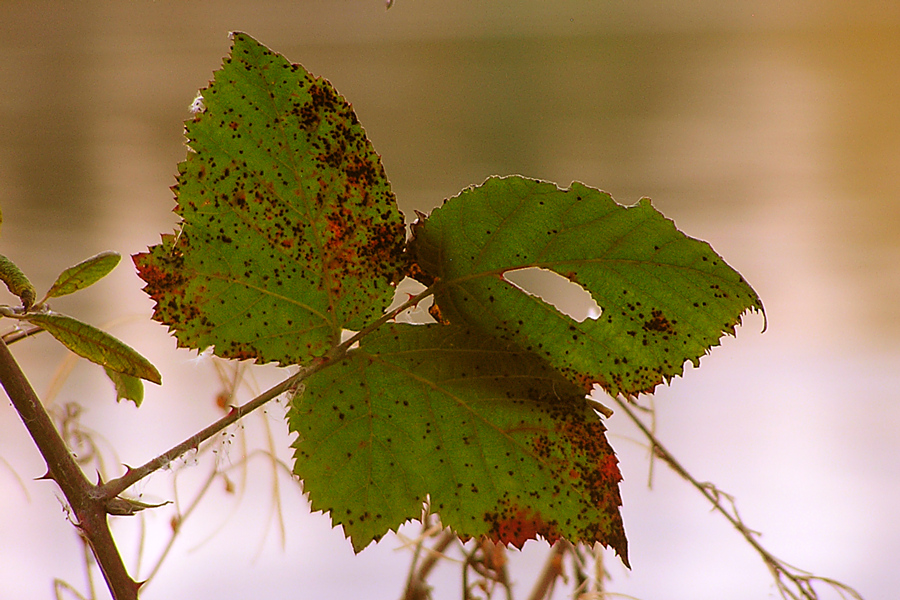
pixel 346 334
pixel 551 287
pixel 418 314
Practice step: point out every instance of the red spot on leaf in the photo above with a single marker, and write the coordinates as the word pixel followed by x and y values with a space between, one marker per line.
pixel 608 468
pixel 515 526
pixel 158 276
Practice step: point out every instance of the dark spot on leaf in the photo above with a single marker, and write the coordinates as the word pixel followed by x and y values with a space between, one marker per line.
pixel 658 322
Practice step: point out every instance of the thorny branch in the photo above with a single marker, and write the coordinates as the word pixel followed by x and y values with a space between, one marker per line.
pixel 90 513
pixel 113 488
pixel 116 486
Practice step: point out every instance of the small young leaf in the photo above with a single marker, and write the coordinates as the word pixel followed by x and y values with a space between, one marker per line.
pixel 17 282
pixel 127 387
pixel 290 232
pixel 666 298
pixel 96 345
pixel 84 274
pixel 499 441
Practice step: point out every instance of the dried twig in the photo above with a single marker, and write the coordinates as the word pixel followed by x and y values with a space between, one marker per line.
pixel 792 583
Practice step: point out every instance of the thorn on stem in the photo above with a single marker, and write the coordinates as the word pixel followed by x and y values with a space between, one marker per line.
pixel 125 507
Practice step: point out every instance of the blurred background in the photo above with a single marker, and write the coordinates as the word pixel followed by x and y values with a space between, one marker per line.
pixel 769 129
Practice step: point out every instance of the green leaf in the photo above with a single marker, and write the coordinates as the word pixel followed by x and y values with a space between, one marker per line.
pixel 17 282
pixel 96 345
pixel 495 438
pixel 666 298
pixel 84 274
pixel 290 232
pixel 127 387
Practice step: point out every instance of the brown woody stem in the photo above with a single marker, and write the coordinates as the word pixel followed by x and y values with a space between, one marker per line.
pixel 89 510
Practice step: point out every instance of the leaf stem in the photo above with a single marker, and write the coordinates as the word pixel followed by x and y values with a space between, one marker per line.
pixel 20 334
pixel 114 487
pixel 413 300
